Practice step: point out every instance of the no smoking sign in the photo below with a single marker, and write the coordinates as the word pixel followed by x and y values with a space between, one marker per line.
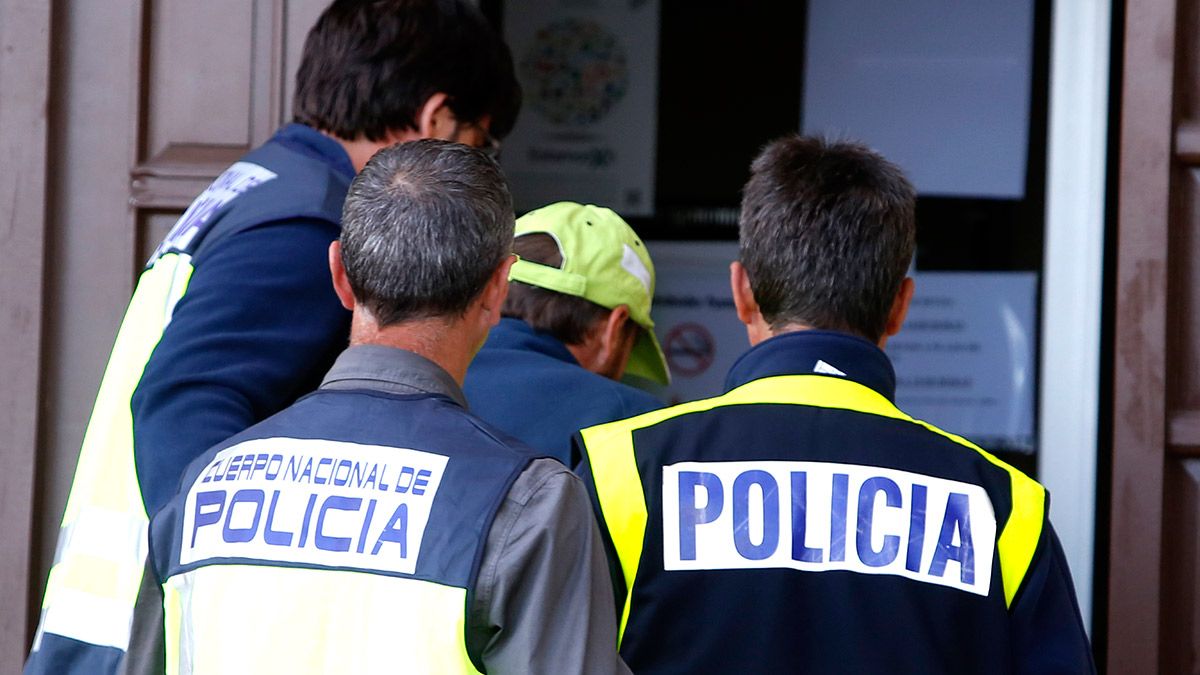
pixel 690 349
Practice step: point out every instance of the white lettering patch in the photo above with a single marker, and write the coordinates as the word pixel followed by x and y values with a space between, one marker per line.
pixel 235 180
pixel 312 501
pixel 818 516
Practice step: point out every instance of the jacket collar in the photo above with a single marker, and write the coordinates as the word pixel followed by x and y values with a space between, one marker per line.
pixel 391 370
pixel 816 352
pixel 309 141
pixel 513 333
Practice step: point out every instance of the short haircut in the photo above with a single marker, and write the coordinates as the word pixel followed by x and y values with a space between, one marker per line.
pixel 423 228
pixel 827 232
pixel 567 317
pixel 369 65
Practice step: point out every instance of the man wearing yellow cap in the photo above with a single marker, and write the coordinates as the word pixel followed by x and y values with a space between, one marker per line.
pixel 576 320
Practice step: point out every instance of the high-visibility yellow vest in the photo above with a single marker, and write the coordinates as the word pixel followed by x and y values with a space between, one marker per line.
pixel 87 609
pixel 102 545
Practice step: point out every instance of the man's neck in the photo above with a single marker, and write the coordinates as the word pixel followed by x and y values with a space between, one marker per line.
pixel 446 342
pixel 800 327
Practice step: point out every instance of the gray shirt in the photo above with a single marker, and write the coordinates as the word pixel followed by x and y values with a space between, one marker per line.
pixel 543 600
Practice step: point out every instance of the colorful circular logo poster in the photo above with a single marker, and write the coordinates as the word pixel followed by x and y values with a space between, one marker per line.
pixel 575 71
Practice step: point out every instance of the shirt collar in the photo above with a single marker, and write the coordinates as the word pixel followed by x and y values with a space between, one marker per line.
pixel 309 141
pixel 396 371
pixel 816 352
pixel 513 333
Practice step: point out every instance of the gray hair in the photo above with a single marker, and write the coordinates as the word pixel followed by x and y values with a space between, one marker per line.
pixel 424 226
pixel 827 232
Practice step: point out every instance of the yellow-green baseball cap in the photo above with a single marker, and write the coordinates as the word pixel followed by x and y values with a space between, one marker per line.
pixel 605 262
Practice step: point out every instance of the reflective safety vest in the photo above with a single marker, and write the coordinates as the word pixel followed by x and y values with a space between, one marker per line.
pixel 803 523
pixel 342 535
pixel 101 554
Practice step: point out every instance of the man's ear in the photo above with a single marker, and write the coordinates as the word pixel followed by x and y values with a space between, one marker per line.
pixel 899 309
pixel 435 119
pixel 341 282
pixel 747 308
pixel 491 300
pixel 613 335
pixel 609 341
pixel 743 295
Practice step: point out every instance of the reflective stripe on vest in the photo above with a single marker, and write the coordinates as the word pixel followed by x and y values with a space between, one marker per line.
pixel 619 488
pixel 101 555
pixel 312 621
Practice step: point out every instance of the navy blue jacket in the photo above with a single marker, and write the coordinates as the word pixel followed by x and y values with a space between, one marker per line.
pixel 528 384
pixel 801 523
pixel 259 324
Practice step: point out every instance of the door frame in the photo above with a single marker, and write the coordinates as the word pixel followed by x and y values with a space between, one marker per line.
pixel 1072 288
pixel 24 138
pixel 1139 376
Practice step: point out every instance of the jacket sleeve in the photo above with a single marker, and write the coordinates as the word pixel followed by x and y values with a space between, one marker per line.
pixel 257 328
pixel 543 603
pixel 1046 628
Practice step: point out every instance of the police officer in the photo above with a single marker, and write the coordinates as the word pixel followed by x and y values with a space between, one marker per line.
pixel 800 522
pixel 375 526
pixel 233 317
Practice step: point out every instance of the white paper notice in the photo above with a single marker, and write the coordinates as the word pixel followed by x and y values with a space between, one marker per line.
pixel 965 357
pixel 587 130
pixel 941 87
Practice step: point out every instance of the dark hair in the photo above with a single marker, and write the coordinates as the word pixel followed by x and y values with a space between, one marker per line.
pixel 369 66
pixel 424 226
pixel 826 236
pixel 567 317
